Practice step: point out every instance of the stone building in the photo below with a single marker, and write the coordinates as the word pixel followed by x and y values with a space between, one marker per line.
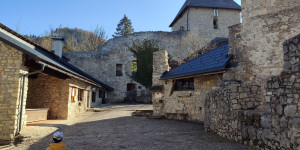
pixel 207 18
pixel 257 104
pixel 179 93
pixel 33 80
pixel 114 55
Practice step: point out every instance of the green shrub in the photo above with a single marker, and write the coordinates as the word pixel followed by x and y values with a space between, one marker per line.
pixel 143 52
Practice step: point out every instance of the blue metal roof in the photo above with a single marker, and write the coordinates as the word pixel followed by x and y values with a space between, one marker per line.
pixel 222 4
pixel 212 61
pixel 35 51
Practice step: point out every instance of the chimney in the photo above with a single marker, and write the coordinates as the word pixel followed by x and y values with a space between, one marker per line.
pixel 56 45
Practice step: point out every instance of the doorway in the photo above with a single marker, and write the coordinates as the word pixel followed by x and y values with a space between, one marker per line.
pixel 131 93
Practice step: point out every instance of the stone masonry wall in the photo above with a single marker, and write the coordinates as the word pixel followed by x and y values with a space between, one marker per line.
pixel 267 71
pixel 283 98
pixel 11 66
pixel 258 8
pixel 266 25
pixel 187 105
pixel 103 67
pixel 76 108
pixel 98 101
pixel 230 111
pixel 54 93
pixel 178 44
pixel 49 92
pixel 200 20
pixel 160 65
pixel 277 125
pixel 102 63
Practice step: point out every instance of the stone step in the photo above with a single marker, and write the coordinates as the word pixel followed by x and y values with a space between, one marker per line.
pixel 145 113
pixel 156 117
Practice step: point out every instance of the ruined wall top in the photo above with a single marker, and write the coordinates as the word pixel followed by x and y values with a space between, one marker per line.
pixel 179 44
pixel 160 65
pixel 257 43
pixel 253 8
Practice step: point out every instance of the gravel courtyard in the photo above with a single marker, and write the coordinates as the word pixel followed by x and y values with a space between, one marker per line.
pixel 113 128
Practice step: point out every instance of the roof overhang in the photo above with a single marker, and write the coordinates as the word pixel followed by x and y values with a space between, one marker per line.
pixel 187 7
pixel 190 75
pixel 15 40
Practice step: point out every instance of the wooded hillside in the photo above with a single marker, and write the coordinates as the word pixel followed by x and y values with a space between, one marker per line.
pixel 75 39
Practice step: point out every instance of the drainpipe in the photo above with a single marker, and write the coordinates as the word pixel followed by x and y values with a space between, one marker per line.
pixel 64 72
pixel 22 98
pixel 187 20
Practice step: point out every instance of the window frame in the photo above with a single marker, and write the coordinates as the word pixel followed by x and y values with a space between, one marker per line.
pixel 216 13
pixel 187 84
pixel 181 28
pixel 215 20
pixel 134 68
pixel 119 69
pixel 80 95
pixel 73 94
pixel 100 93
pixel 215 23
pixel 93 97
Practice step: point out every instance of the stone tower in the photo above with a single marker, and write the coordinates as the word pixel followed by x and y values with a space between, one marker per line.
pixel 207 18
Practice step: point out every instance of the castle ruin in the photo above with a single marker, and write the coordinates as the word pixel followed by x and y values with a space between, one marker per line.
pixel 184 40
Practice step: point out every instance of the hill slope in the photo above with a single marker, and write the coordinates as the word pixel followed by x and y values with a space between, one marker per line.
pixel 75 39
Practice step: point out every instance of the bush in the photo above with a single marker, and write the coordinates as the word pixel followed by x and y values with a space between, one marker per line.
pixel 144 54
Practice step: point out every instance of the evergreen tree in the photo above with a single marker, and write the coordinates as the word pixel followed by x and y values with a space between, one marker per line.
pixel 124 27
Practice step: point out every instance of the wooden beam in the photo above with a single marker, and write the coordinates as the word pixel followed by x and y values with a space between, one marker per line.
pixel 32 66
pixel 173 87
pixel 199 75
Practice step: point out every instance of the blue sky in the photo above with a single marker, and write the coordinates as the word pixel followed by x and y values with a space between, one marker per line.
pixel 38 16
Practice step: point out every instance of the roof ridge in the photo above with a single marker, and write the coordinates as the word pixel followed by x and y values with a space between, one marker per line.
pixel 221 4
pixel 206 53
pixel 189 2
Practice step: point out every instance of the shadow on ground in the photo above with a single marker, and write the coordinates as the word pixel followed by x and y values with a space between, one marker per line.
pixel 138 133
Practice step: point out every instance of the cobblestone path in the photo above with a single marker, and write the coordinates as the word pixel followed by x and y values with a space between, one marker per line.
pixel 113 128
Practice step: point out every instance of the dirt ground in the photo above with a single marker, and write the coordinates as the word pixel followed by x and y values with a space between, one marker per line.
pixel 113 128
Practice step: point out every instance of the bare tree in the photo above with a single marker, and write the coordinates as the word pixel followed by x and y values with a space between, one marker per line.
pixel 96 38
pixel 18 26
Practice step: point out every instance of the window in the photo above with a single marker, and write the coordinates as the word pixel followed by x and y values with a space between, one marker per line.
pixel 119 70
pixel 101 94
pixel 80 95
pixel 184 84
pixel 93 97
pixel 134 68
pixel 216 13
pixel 215 22
pixel 73 94
pixel 181 28
pixel 131 87
pixel 103 97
